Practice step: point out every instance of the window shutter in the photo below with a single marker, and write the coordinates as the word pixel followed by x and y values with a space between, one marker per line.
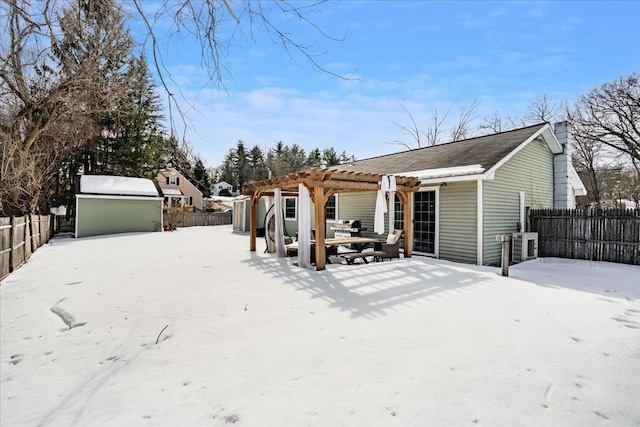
pixel 177 181
pixel 167 178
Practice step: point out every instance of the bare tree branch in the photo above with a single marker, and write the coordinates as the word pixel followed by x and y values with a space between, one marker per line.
pixel 610 114
pixel 463 128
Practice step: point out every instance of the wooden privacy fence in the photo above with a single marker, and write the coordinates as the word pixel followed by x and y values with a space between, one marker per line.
pixel 592 234
pixel 19 238
pixel 192 219
pixel 64 224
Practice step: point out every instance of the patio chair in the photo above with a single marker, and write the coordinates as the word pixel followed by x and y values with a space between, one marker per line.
pixel 391 246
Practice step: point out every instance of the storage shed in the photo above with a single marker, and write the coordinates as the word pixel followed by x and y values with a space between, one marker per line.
pixel 117 204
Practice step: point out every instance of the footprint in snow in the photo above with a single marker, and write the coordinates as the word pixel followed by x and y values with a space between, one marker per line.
pixel 15 359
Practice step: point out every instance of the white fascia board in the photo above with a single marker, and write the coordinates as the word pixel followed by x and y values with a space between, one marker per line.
pixel 436 181
pixel 428 174
pixel 551 140
pixel 100 196
pixel 548 136
pixel 576 182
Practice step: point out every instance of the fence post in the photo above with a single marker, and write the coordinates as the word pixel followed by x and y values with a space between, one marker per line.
pixel 506 248
pixel 12 239
pixel 29 247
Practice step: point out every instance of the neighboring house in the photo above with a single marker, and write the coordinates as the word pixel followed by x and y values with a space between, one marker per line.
pixel 471 190
pixel 117 204
pixel 222 185
pixel 178 191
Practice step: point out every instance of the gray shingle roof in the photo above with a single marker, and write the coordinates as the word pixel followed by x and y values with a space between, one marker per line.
pixel 484 150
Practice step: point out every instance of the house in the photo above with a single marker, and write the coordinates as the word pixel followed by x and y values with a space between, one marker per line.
pixel 470 191
pixel 117 204
pixel 220 186
pixel 178 191
pixel 475 189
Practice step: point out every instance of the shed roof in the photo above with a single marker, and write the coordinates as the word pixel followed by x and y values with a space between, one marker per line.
pixel 482 152
pixel 117 186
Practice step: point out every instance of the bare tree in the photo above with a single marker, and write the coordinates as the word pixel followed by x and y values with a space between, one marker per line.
pixel 57 68
pixel 463 128
pixel 219 25
pixel 436 127
pixel 543 109
pixel 495 123
pixel 610 114
pixel 586 159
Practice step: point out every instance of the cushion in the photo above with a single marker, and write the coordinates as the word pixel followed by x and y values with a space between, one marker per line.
pixel 393 238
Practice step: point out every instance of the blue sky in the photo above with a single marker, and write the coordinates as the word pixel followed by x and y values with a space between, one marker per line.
pixel 423 55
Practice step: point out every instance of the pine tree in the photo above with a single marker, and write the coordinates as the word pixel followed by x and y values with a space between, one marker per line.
pixel 201 178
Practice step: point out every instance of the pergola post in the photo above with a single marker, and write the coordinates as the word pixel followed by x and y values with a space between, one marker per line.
pixel 322 184
pixel 253 219
pixel 321 225
pixel 406 224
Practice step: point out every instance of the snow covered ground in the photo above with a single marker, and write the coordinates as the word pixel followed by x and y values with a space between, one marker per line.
pixel 252 340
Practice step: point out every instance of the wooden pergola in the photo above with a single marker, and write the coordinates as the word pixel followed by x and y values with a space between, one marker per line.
pixel 322 184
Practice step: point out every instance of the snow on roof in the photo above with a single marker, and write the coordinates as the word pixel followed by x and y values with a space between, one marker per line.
pixel 171 192
pixel 117 185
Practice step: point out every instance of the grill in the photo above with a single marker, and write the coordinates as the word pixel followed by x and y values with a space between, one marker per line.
pixel 348 228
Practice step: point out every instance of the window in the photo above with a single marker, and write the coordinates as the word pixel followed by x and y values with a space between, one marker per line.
pixel 173 180
pixel 332 208
pixel 290 207
pixel 398 217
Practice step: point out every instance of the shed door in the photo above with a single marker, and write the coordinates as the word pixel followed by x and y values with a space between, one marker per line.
pixel 425 222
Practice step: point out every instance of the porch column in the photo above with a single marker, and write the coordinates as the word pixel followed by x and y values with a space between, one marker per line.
pixel 321 223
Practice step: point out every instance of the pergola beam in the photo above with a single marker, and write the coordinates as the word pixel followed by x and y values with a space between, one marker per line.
pixel 322 184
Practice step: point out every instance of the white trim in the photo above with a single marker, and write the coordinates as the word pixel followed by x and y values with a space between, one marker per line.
pixel 436 243
pixel 578 186
pixel 549 138
pixel 162 216
pixel 522 211
pixel 332 221
pixel 437 181
pixel 480 222
pixel 295 209
pixel 77 219
pixel 445 172
pixel 109 196
pixel 244 215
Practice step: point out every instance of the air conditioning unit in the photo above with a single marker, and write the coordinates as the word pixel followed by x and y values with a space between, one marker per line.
pixel 524 246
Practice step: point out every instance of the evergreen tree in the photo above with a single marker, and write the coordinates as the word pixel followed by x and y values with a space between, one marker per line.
pixel 201 178
pixel 315 157
pixel 330 156
pixel 240 166
pixel 257 163
pixel 178 157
